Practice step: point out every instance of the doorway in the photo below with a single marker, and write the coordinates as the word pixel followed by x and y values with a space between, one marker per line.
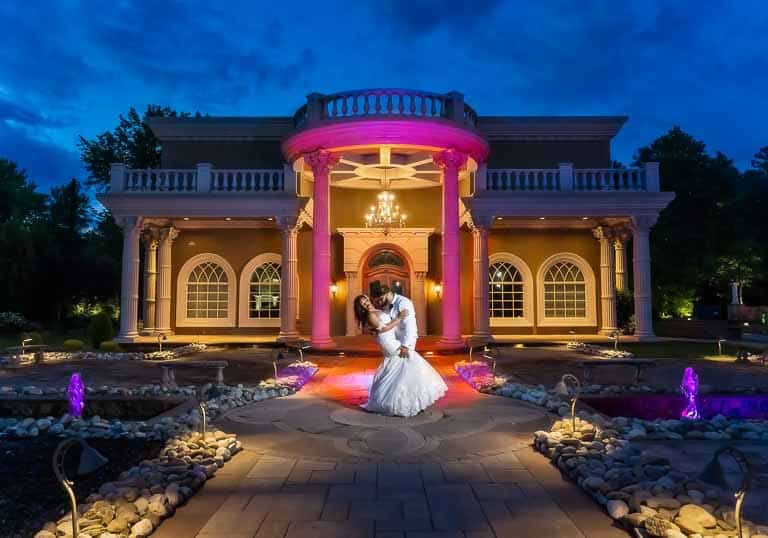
pixel 390 268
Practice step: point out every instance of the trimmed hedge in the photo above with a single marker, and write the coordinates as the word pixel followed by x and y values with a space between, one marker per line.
pixel 73 344
pixel 110 346
pixel 100 329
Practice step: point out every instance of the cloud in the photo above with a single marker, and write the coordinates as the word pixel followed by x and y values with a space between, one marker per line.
pixel 46 162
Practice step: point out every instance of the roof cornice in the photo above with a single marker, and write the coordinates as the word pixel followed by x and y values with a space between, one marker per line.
pixel 550 127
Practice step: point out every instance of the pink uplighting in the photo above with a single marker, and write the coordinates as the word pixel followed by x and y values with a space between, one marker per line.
pixel 690 389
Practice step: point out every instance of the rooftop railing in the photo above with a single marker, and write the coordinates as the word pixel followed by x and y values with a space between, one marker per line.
pixel 203 179
pixel 567 179
pixel 377 103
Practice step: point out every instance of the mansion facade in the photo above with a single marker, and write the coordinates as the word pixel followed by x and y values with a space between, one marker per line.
pixel 492 225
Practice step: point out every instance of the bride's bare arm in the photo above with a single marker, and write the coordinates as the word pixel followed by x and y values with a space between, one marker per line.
pixel 373 321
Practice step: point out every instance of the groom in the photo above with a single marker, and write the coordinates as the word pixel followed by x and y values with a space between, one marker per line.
pixel 390 302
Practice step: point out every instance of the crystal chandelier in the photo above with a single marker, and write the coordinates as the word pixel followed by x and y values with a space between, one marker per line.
pixel 386 213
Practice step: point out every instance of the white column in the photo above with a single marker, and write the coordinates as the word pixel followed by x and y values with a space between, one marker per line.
pixel 419 292
pixel 150 279
pixel 480 280
pixel 129 289
pixel 622 278
pixel 607 282
pixel 321 163
pixel 451 161
pixel 288 280
pixel 641 263
pixel 352 292
pixel 163 311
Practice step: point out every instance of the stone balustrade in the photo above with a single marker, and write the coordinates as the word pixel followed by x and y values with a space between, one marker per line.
pixel 321 109
pixel 203 179
pixel 566 178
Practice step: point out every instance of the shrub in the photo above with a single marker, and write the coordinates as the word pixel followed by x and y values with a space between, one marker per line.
pixel 625 310
pixel 100 329
pixel 35 338
pixel 110 346
pixel 11 322
pixel 73 344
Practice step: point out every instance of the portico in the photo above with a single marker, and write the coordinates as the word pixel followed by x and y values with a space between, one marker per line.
pixel 501 235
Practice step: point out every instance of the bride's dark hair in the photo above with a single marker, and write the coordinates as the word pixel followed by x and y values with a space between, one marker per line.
pixel 361 313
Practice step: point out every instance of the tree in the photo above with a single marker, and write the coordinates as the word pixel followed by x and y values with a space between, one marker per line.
pixel 19 199
pixel 132 142
pixel 760 162
pixel 741 265
pixel 698 225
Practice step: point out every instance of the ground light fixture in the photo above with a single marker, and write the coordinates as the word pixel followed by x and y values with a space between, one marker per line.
pixel 713 474
pixel 720 346
pixel 569 386
pixel 615 338
pixel 160 338
pixel 203 416
pixel 90 460
pixel 24 344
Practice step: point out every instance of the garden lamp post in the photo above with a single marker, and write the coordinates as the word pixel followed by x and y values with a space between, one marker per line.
pixel 90 460
pixel 160 338
pixel 720 345
pixel 203 415
pixel 713 474
pixel 569 386
pixel 24 344
pixel 615 338
pixel 490 353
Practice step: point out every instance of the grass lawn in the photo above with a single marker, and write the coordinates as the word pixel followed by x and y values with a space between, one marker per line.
pixel 684 350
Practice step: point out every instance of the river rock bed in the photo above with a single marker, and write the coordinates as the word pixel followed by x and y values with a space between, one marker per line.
pixel 592 349
pixel 58 356
pixel 643 493
pixel 144 495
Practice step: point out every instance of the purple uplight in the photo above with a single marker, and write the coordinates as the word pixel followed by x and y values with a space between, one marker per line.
pixel 76 395
pixel 477 373
pixel 690 389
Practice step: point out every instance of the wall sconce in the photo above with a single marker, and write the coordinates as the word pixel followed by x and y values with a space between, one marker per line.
pixel 438 289
pixel 334 290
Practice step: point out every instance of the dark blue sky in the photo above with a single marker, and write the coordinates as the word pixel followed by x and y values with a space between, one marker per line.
pixel 69 68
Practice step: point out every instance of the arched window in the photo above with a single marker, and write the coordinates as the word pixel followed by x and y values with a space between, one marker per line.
pixel 567 287
pixel 564 292
pixel 260 291
pixel 206 293
pixel 510 296
pixel 505 292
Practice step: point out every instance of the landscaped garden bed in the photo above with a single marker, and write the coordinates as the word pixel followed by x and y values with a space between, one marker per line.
pixel 29 492
pixel 169 458
pixel 645 494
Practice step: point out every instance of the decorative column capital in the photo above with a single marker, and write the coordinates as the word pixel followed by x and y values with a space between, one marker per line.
pixel 169 234
pixel 643 223
pixel 482 222
pixel 420 275
pixel 604 233
pixel 321 161
pixel 621 235
pixel 287 223
pixel 130 224
pixel 450 159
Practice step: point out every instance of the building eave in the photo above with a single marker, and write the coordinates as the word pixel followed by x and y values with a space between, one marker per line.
pixel 201 206
pixel 221 128
pixel 550 127
pixel 489 204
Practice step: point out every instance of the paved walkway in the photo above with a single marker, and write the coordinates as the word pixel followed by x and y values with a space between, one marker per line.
pixel 316 466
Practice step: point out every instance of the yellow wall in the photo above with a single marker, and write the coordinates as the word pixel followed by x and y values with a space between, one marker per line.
pixel 422 206
pixel 237 246
pixel 535 246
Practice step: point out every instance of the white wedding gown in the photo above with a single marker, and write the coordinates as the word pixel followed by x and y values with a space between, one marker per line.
pixel 402 386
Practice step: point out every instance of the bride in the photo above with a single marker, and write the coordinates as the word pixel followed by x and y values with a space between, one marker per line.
pixel 402 386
